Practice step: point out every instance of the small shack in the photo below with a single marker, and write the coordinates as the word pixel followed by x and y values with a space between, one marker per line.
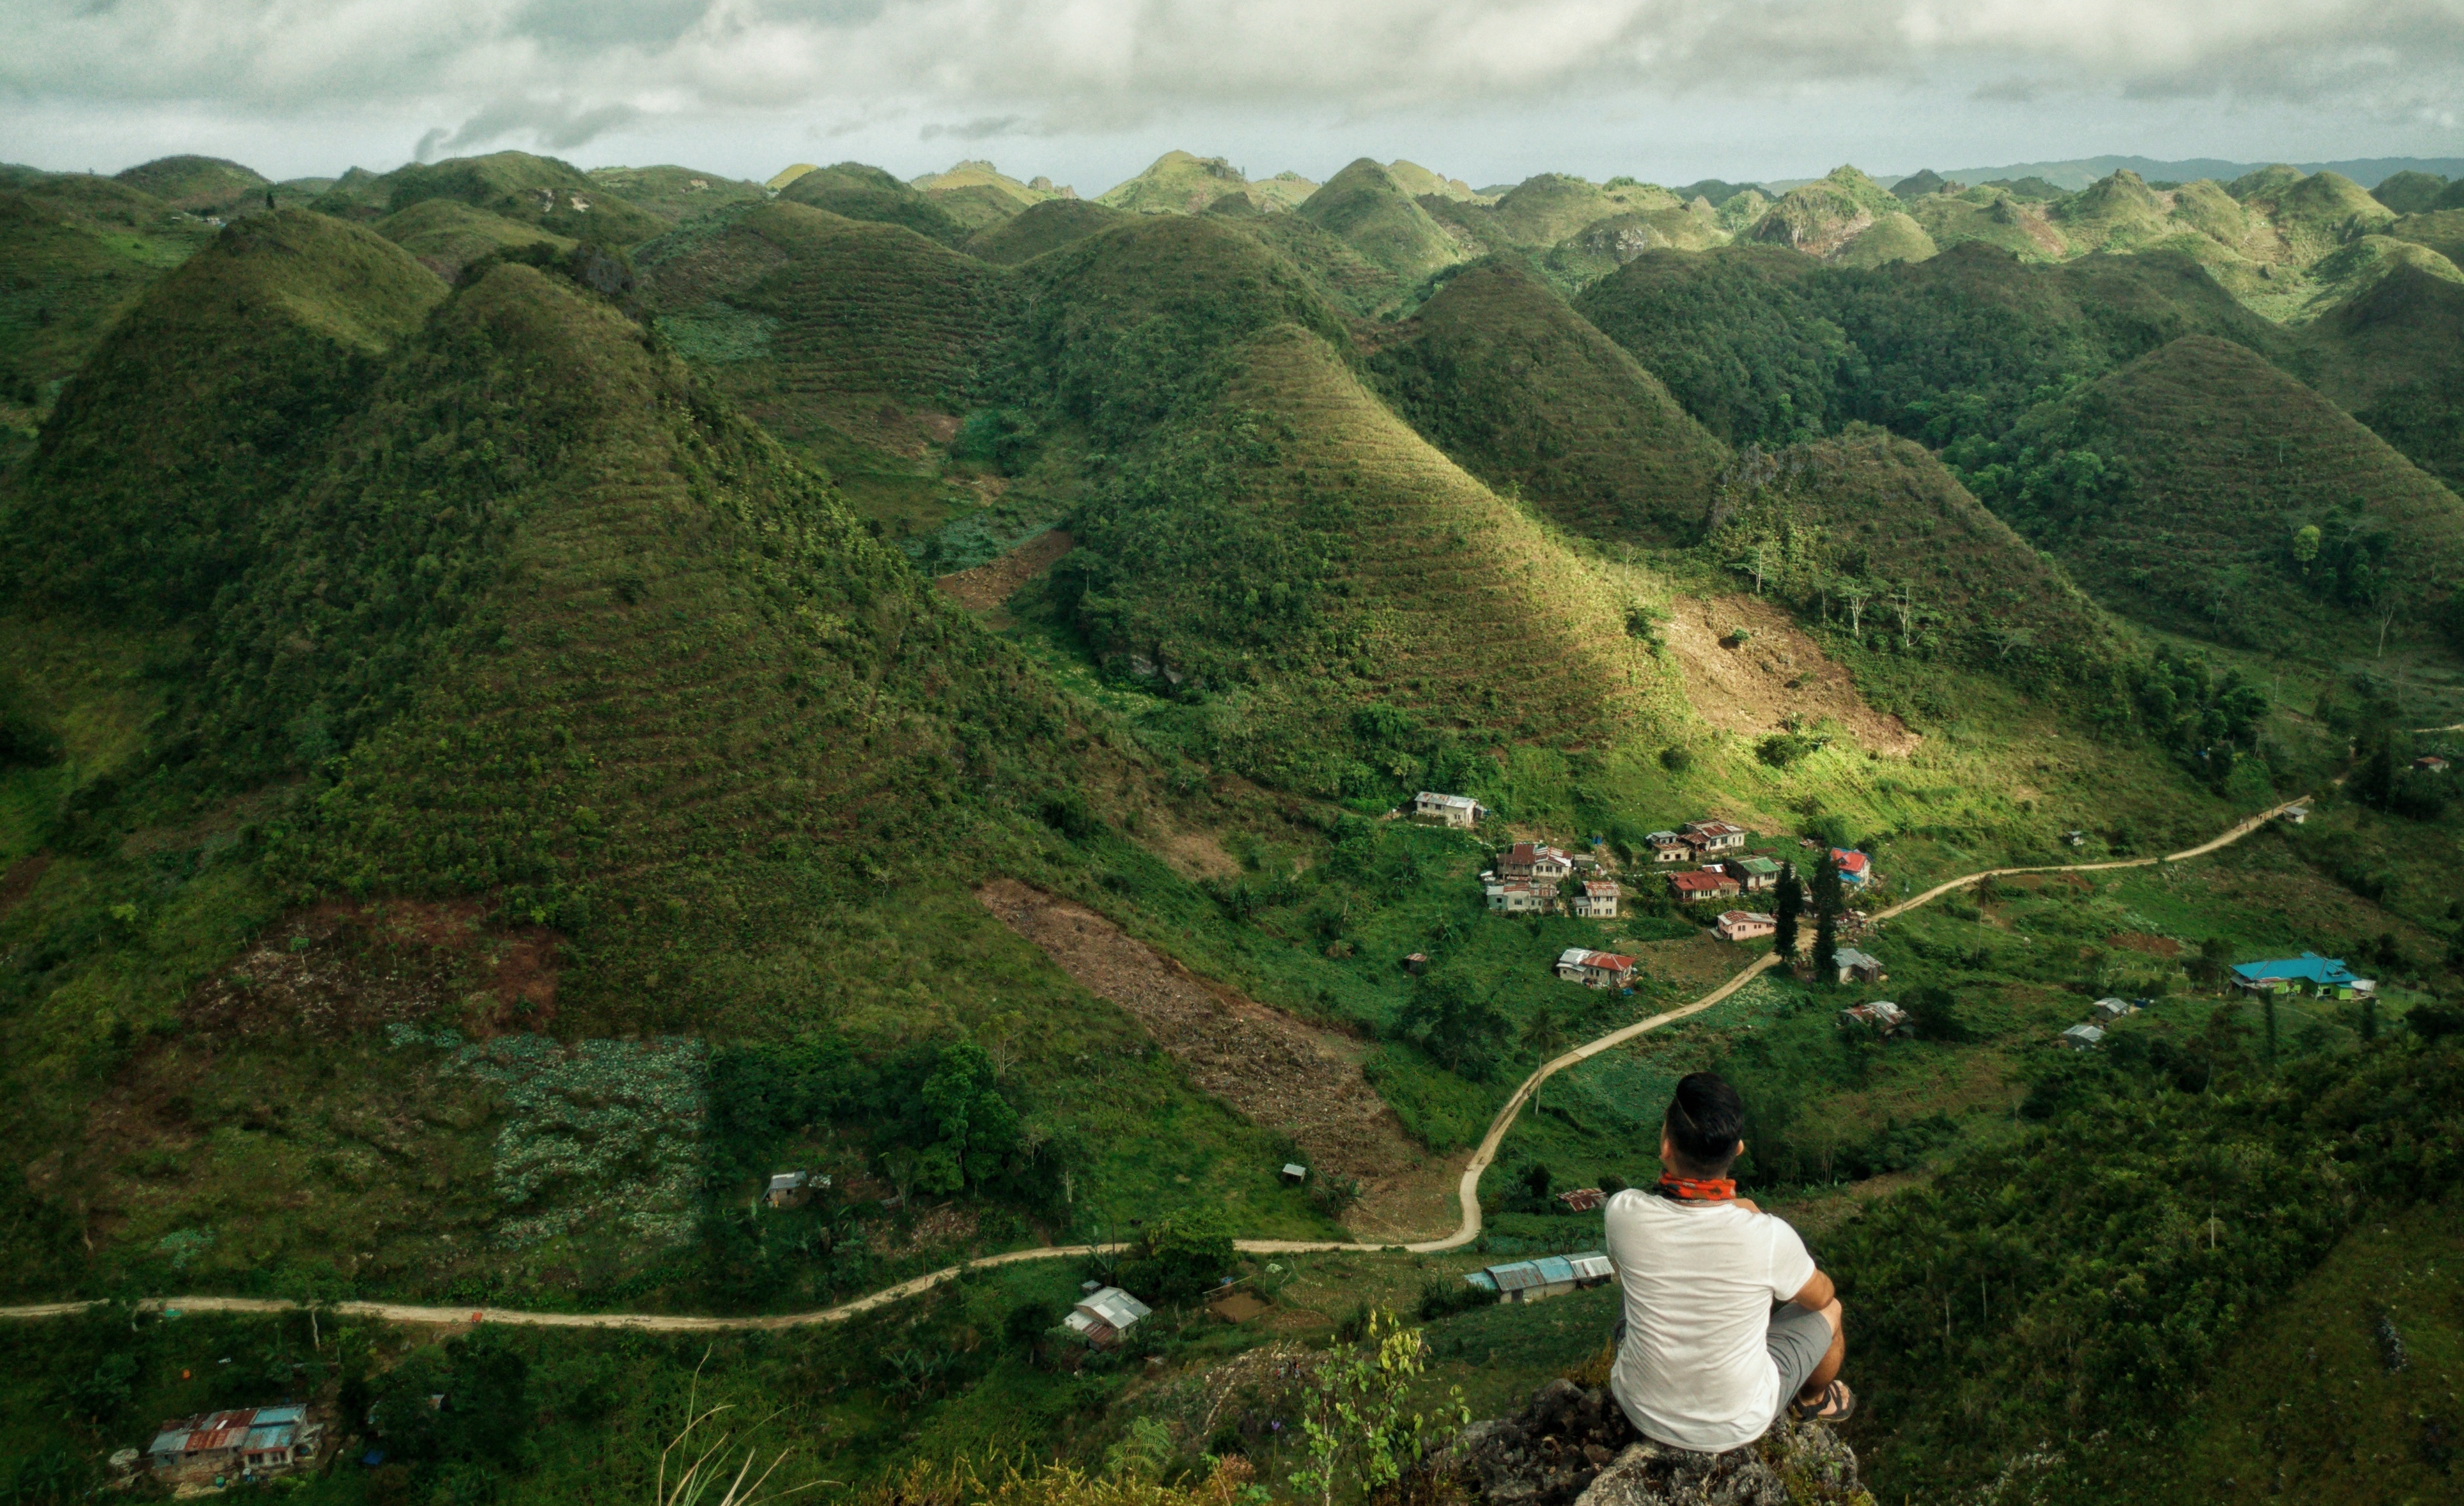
pixel 793 1188
pixel 2082 1037
pixel 1102 1316
pixel 1754 874
pixel 1294 1173
pixel 1883 1015
pixel 1549 1276
pixel 1858 967
pixel 1581 1199
pixel 1855 869
pixel 250 1441
pixel 2111 1010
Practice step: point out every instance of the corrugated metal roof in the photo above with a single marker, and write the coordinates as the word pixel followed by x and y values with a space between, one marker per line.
pixel 1114 1306
pixel 1590 1267
pixel 267 1416
pixel 170 1440
pixel 1520 1276
pixel 1553 1268
pixel 281 1437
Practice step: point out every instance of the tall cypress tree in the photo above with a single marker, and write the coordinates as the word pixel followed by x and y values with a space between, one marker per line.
pixel 1792 904
pixel 1828 902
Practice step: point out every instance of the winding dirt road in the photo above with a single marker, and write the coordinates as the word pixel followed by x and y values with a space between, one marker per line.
pixel 1468 1192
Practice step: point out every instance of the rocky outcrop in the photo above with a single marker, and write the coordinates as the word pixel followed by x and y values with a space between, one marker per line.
pixel 1573 1446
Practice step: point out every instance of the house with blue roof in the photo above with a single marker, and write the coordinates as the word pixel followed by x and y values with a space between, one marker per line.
pixel 1549 1276
pixel 2309 972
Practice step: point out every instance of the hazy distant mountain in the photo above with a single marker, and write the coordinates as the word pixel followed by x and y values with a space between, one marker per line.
pixel 2080 171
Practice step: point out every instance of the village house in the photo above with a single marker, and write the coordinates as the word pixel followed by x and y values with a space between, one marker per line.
pixel 1858 967
pixel 793 1188
pixel 213 1447
pixel 2431 763
pixel 2110 1010
pixel 1598 899
pixel 1855 869
pixel 1703 883
pixel 1532 861
pixel 1599 969
pixel 1103 1314
pixel 1710 837
pixel 1754 874
pixel 2327 977
pixel 1744 924
pixel 2082 1037
pixel 1521 899
pixel 1551 1276
pixel 1883 1015
pixel 1451 810
pixel 1583 1199
pixel 1669 847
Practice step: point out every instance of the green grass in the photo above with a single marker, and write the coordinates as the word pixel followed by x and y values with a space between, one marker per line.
pixel 76 252
pixel 2388 355
pixel 536 192
pixel 1178 183
pixel 668 191
pixel 858 192
pixel 446 235
pixel 199 184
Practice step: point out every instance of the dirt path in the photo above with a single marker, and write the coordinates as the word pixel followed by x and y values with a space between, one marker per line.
pixel 1268 1066
pixel 1467 1187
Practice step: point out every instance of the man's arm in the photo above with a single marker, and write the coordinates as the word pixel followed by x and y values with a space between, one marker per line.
pixel 1815 1294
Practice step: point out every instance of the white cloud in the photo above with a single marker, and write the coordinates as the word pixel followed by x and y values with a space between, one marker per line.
pixel 557 73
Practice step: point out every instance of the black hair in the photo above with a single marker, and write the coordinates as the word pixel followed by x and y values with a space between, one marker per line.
pixel 1705 1120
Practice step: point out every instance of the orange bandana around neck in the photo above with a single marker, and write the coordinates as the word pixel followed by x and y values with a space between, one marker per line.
pixel 1697 1189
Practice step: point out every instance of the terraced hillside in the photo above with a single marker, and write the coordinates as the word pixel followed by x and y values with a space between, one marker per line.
pixel 446 235
pixel 1041 228
pixel 1335 559
pixel 2393 356
pixel 1761 345
pixel 1872 530
pixel 76 251
pixel 1373 213
pixel 819 324
pixel 858 192
pixel 1517 388
pixel 2199 485
pixel 542 193
pixel 243 360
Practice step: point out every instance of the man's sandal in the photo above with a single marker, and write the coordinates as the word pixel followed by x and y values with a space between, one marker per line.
pixel 1835 1405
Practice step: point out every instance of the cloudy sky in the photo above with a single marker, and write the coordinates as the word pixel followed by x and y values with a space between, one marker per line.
pixel 1089 91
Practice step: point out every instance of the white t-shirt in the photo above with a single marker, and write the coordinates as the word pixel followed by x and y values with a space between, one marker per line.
pixel 1699 1283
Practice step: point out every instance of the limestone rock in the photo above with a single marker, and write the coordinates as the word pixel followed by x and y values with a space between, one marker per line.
pixel 1573 1446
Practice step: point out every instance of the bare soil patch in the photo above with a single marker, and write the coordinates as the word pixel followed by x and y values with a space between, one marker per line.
pixel 1701 963
pixel 1775 675
pixel 21 878
pixel 2141 941
pixel 988 586
pixel 337 969
pixel 1268 1066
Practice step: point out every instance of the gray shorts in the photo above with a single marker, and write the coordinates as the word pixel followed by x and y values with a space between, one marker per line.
pixel 1800 1338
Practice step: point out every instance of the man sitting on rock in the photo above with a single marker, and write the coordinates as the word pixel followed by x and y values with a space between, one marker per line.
pixel 1704 1363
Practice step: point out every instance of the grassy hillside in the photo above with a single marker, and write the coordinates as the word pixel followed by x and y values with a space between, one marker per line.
pixel 1995 216
pixel 2389 357
pixel 675 193
pixel 1514 386
pixel 978 174
pixel 2310 215
pixel 2441 230
pixel 1872 532
pixel 446 235
pixel 756 708
pixel 1178 183
pixel 858 192
pixel 1825 217
pixel 1371 212
pixel 243 360
pixel 542 193
pixel 2182 488
pixel 75 252
pixel 199 184
pixel 854 342
pixel 1040 227
pixel 2346 275
pixel 2409 193
pixel 1762 346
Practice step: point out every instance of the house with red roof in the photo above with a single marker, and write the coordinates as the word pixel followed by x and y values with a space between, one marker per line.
pixel 1701 885
pixel 1855 869
pixel 1599 969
